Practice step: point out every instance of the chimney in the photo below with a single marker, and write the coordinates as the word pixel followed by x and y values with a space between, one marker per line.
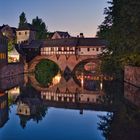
pixel 81 35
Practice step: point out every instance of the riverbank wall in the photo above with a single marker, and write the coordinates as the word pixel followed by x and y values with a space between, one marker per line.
pixel 132 75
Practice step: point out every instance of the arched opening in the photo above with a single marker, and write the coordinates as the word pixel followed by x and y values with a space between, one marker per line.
pixel 86 74
pixel 47 73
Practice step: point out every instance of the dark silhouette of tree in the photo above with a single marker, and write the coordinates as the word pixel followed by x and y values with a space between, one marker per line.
pixel 121 28
pixel 22 20
pixel 40 27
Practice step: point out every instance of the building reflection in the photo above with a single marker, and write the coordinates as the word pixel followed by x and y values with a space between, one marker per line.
pixel 132 94
pixel 32 102
pixel 4 116
pixel 13 94
pixel 11 82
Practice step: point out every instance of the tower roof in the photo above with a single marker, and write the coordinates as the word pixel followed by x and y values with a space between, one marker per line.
pixel 26 26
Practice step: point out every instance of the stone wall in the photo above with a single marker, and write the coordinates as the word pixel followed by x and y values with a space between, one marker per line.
pixel 11 70
pixel 132 75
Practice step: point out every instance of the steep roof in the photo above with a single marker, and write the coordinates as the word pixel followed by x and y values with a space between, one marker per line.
pixel 74 42
pixel 33 44
pixel 27 26
pixel 50 35
pixel 60 42
pixel 3 26
pixel 92 42
pixel 63 34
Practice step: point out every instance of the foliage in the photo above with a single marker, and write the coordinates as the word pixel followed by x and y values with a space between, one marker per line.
pixel 11 44
pixel 22 20
pixel 44 72
pixel 105 124
pixel 40 27
pixel 121 28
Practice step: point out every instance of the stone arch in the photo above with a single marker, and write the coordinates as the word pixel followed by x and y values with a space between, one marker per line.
pixel 87 60
pixel 62 61
pixel 37 59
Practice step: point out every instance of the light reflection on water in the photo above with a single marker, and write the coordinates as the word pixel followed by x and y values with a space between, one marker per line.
pixel 65 110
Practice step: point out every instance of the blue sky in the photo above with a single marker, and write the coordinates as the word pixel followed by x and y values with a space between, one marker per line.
pixel 74 16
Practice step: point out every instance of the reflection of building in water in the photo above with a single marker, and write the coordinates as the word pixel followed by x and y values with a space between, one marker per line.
pixel 10 82
pixel 62 97
pixel 28 106
pixel 132 94
pixel 3 108
pixel 77 96
pixel 69 91
pixel 90 98
pixel 13 93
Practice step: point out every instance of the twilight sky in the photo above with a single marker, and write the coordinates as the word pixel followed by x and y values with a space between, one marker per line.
pixel 74 16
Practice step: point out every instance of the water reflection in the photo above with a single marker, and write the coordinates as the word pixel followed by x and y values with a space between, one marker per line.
pixel 4 116
pixel 30 102
pixel 132 94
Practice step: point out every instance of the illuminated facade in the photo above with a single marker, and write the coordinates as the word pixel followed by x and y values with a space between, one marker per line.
pixel 73 46
pixel 3 108
pixel 3 50
pixel 25 34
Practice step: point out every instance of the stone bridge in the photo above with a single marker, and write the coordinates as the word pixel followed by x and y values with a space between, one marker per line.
pixel 63 61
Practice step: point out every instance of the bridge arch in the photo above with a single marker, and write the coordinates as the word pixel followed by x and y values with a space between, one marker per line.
pixel 62 61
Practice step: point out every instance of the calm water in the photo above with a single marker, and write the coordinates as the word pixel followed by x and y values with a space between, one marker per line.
pixel 68 109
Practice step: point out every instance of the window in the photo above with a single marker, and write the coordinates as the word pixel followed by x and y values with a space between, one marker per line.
pixel 25 33
pixel 88 49
pixel 79 49
pixel 52 49
pixel 97 49
pixel 65 48
pixel 19 33
pixel 59 49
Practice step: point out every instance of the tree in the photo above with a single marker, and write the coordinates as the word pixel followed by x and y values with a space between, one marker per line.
pixel 121 28
pixel 40 27
pixel 22 20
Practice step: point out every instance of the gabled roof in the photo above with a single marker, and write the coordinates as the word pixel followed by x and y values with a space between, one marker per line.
pixel 74 42
pixel 33 44
pixel 50 35
pixel 91 42
pixel 3 26
pixel 26 26
pixel 63 34
pixel 60 42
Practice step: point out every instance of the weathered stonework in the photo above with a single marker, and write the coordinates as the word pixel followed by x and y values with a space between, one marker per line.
pixel 11 70
pixel 132 75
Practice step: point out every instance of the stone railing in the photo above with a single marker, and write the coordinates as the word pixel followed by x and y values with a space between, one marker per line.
pixel 132 75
